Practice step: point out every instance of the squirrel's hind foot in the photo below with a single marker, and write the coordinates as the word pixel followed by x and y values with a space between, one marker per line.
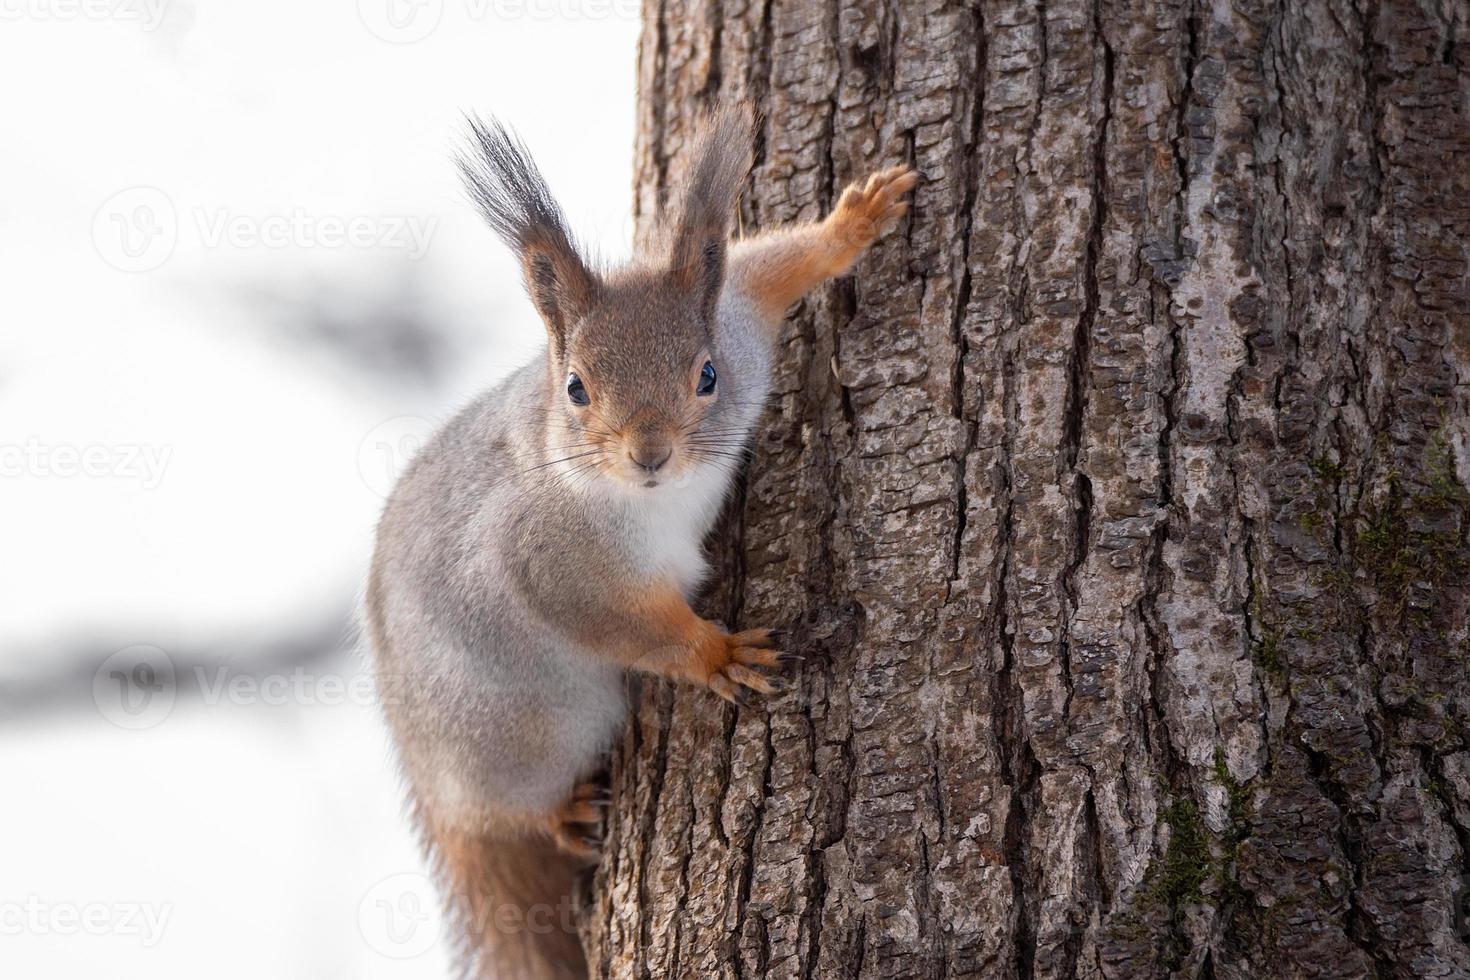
pixel 576 825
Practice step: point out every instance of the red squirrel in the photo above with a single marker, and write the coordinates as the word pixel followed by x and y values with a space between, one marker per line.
pixel 550 536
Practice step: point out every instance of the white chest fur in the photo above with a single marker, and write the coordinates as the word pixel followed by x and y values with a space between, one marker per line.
pixel 666 526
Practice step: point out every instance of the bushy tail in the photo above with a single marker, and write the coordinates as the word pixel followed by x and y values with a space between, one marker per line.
pixel 510 896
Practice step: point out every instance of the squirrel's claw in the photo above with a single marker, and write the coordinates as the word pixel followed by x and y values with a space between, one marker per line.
pixel 761 638
pixel 748 678
pixel 585 846
pixel 725 688
pixel 752 656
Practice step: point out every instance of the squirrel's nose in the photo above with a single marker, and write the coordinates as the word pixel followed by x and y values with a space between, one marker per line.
pixel 651 458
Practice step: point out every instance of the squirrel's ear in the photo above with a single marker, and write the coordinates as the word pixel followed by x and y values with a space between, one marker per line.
pixel 701 222
pixel 510 192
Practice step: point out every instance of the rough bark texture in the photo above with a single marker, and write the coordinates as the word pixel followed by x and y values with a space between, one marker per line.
pixel 1117 504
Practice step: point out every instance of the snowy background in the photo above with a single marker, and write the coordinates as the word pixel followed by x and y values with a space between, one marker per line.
pixel 239 283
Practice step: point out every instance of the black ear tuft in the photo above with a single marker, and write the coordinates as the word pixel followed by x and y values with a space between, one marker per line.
pixel 701 220
pixel 506 185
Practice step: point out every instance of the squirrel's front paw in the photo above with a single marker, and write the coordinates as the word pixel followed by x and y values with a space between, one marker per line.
pixel 730 661
pixel 869 208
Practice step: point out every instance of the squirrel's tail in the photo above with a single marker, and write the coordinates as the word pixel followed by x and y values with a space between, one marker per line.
pixel 510 896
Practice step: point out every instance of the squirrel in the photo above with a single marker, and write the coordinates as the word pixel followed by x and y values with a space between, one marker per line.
pixel 549 537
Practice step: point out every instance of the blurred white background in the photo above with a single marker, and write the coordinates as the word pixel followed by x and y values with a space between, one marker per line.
pixel 240 281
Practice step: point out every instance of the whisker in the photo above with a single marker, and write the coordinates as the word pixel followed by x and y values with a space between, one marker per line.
pixel 715 454
pixel 553 462
pixel 715 443
pixel 541 451
pixel 581 476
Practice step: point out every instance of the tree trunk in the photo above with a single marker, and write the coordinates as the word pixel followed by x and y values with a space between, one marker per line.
pixel 1117 504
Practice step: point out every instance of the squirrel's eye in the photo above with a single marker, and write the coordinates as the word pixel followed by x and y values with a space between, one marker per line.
pixel 576 391
pixel 706 380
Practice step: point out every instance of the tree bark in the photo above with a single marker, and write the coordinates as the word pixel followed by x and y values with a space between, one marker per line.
pixel 1117 504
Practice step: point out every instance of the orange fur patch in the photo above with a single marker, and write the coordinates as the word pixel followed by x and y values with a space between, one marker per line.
pixel 511 896
pixel 778 268
pixel 681 644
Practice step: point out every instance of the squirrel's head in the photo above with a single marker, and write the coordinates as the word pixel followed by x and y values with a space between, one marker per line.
pixel 633 358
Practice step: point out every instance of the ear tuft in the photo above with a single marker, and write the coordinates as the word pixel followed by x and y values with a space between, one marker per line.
pixel 507 187
pixel 701 222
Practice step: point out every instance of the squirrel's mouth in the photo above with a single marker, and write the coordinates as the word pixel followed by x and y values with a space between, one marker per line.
pixel 650 483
